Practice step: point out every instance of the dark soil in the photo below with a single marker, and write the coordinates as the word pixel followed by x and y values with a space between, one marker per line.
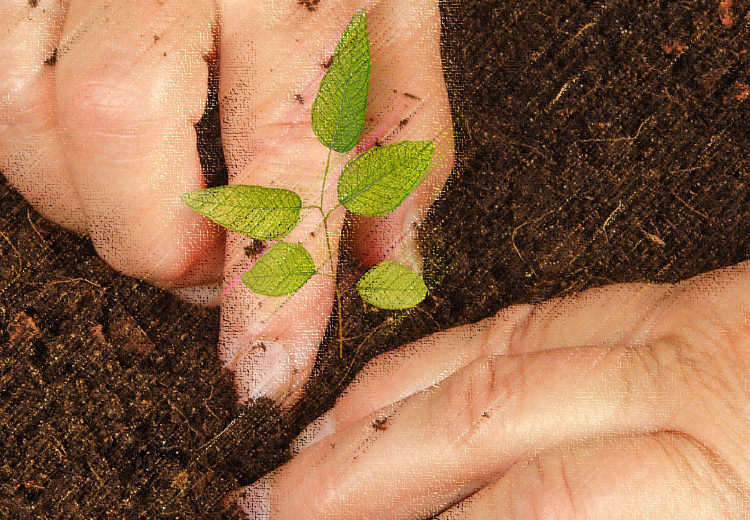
pixel 599 142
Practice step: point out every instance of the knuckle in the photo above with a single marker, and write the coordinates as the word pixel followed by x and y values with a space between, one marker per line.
pixel 550 495
pixel 110 104
pixel 653 372
pixel 702 471
pixel 488 386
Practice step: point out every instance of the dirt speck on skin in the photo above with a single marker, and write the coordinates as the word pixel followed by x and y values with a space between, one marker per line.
pixel 310 5
pixel 52 59
pixel 380 424
pixel 254 248
pixel 113 401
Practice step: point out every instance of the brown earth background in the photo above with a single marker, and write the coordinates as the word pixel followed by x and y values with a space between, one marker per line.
pixel 599 142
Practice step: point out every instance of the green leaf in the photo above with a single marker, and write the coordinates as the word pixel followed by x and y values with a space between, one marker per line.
pixel 262 213
pixel 390 285
pixel 338 113
pixel 283 269
pixel 377 181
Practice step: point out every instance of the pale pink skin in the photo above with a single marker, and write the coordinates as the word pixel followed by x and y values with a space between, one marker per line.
pixel 104 143
pixel 629 401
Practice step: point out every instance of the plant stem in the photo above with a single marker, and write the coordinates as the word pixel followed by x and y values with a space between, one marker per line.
pixel 330 252
pixel 325 174
pixel 336 287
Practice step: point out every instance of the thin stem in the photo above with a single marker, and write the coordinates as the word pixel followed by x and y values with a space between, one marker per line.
pixel 313 207
pixel 325 174
pixel 336 287
pixel 330 252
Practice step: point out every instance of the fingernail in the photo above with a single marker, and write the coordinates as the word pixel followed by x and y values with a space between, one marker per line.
pixel 322 427
pixel 206 295
pixel 407 252
pixel 255 500
pixel 264 370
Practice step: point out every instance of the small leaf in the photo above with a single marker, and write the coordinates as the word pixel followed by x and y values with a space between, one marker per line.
pixel 390 285
pixel 262 213
pixel 338 113
pixel 377 181
pixel 283 269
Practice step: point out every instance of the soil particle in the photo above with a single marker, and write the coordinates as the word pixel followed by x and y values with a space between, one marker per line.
pixel 299 99
pixel 674 47
pixel 33 3
pixel 328 63
pixel 742 91
pixel 725 13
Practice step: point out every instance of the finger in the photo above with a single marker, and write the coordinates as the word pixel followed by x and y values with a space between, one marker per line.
pixel 613 315
pixel 664 475
pixel 31 154
pixel 420 455
pixel 409 102
pixel 271 56
pixel 627 314
pixel 131 85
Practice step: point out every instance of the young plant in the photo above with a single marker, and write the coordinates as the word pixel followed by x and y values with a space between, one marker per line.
pixel 372 184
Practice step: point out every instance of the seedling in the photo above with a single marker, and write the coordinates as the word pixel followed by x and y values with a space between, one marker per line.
pixel 372 184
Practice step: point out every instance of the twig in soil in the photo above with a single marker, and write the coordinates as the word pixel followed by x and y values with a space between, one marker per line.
pixel 183 416
pixel 564 89
pixel 211 442
pixel 10 243
pixel 98 478
pixel 611 216
pixel 688 170
pixel 44 242
pixel 513 240
pixel 656 239
pixel 19 270
pixel 615 139
pixel 70 280
pixel 691 208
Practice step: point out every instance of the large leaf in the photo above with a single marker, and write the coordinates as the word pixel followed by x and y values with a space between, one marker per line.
pixel 283 269
pixel 390 285
pixel 338 113
pixel 377 181
pixel 262 213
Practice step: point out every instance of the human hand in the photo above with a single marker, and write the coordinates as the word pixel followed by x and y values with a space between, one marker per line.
pixel 628 401
pixel 98 102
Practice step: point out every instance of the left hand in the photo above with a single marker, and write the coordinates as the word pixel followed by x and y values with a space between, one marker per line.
pixel 629 401
pixel 99 103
